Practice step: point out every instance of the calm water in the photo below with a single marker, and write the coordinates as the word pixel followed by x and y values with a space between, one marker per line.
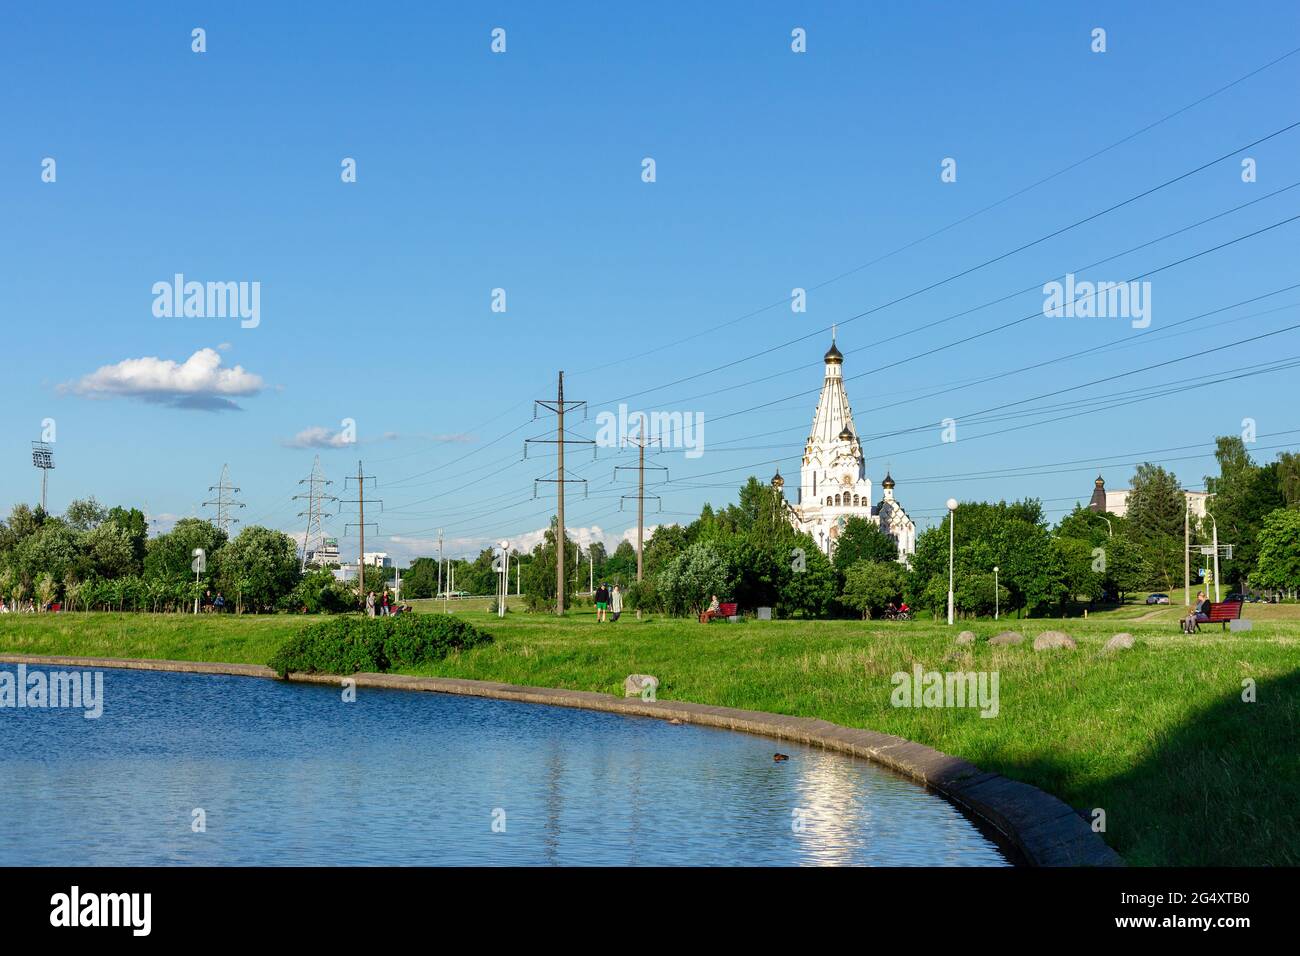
pixel 289 774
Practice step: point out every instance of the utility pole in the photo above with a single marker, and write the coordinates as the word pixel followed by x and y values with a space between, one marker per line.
pixel 641 441
pixel 441 590
pixel 224 501
pixel 315 496
pixel 1187 550
pixel 559 407
pixel 360 502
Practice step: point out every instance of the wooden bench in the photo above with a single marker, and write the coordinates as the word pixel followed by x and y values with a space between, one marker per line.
pixel 724 611
pixel 1223 612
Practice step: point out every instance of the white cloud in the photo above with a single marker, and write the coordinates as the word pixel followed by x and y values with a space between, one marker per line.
pixel 200 382
pixel 318 436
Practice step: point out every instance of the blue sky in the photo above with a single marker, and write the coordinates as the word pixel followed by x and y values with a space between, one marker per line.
pixel 522 171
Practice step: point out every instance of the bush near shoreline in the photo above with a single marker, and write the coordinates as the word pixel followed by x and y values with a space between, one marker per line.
pixel 349 645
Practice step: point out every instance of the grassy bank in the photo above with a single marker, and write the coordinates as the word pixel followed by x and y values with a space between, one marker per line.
pixel 1158 737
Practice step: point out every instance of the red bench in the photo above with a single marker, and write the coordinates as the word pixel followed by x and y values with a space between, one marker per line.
pixel 723 611
pixel 1222 613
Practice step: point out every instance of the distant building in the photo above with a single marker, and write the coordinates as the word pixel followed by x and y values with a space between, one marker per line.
pixel 377 559
pixel 833 482
pixel 327 553
pixel 1116 502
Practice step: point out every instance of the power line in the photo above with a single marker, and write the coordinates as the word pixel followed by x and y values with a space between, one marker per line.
pixel 971 269
pixel 957 222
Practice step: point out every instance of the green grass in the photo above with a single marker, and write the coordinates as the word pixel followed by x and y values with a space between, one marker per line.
pixel 1158 737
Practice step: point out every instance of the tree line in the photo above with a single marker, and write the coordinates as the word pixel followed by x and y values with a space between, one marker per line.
pixel 97 558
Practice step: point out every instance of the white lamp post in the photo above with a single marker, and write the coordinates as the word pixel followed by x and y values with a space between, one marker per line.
pixel 995 592
pixel 503 589
pixel 952 521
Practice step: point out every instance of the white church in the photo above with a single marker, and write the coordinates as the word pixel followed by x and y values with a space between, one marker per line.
pixel 833 482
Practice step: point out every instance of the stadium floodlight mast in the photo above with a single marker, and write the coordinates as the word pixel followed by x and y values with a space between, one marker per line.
pixel 43 458
pixel 952 520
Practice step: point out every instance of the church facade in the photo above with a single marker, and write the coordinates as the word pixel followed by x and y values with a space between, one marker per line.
pixel 833 482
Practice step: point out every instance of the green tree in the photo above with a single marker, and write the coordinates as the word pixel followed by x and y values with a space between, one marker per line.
pixel 621 566
pixel 52 549
pixel 1082 569
pixel 862 540
pixel 1278 564
pixel 108 551
pixel 539 574
pixel 132 521
pixel 1288 477
pixel 169 556
pixel 420 580
pixel 809 591
pixel 85 514
pixel 1156 508
pixel 1244 494
pixel 258 567
pixel 688 583
pixel 871 585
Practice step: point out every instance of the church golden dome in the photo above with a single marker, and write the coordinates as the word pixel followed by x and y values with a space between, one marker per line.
pixel 834 356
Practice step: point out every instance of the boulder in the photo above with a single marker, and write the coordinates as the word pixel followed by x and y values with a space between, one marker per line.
pixel 1050 640
pixel 1006 638
pixel 1120 642
pixel 635 684
pixel 966 637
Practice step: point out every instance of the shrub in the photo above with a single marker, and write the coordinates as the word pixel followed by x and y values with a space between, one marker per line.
pixel 347 645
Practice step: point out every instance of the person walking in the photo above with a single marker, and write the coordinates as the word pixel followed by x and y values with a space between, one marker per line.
pixel 386 608
pixel 615 603
pixel 370 604
pixel 602 602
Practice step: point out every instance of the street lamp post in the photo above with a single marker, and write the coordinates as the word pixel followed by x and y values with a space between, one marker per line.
pixel 1215 542
pixel 503 585
pixel 995 592
pixel 952 521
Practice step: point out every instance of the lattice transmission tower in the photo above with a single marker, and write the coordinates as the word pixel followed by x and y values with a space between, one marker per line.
pixel 224 502
pixel 317 499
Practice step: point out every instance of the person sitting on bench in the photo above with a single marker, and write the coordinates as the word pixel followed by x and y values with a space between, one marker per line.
pixel 713 610
pixel 1199 615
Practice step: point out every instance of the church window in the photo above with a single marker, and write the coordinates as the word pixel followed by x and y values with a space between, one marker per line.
pixel 855 501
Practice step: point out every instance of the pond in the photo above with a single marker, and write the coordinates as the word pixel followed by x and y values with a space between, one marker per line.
pixel 214 770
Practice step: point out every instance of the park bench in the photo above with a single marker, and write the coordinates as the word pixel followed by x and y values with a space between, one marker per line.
pixel 724 611
pixel 1223 613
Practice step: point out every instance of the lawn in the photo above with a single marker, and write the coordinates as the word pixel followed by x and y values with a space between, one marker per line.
pixel 1158 736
